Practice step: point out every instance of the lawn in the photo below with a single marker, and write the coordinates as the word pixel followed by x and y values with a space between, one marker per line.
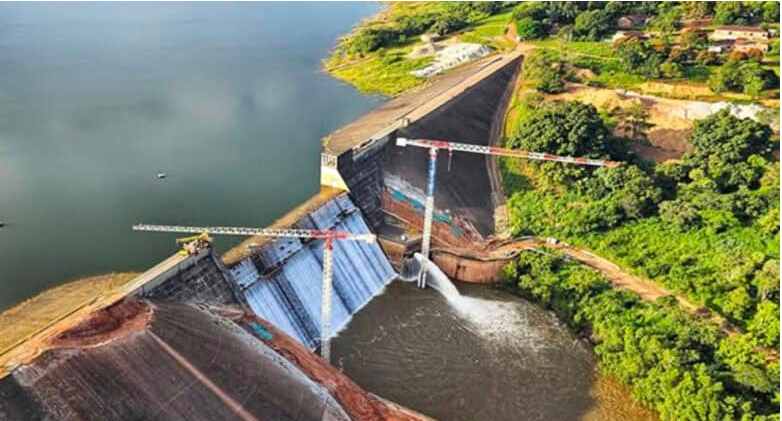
pixel 387 71
pixel 388 75
pixel 585 48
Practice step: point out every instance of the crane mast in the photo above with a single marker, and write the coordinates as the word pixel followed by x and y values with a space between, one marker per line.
pixel 329 236
pixel 434 147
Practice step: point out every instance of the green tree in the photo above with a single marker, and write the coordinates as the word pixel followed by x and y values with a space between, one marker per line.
pixel 572 128
pixel 448 22
pixel 698 9
pixel 591 25
pixel 667 23
pixel 766 280
pixel 737 303
pixel 543 70
pixel 771 12
pixel 633 121
pixel 765 324
pixel 638 57
pixel 634 191
pixel 729 13
pixel 672 70
pixel 722 137
pixel 528 28
pixel 679 213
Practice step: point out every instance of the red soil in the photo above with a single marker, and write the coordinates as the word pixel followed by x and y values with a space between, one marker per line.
pixel 105 325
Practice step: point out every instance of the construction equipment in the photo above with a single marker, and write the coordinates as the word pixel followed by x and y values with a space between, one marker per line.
pixel 434 147
pixel 193 244
pixel 328 236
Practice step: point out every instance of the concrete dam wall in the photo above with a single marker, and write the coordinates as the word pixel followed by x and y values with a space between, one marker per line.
pixel 282 281
pixel 388 182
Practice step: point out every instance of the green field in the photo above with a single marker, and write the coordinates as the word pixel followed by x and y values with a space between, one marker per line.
pixel 387 70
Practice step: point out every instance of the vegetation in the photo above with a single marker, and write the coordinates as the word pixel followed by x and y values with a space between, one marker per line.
pixel 680 366
pixel 374 56
pixel 673 54
pixel 741 75
pixel 746 13
pixel 681 224
pixel 543 70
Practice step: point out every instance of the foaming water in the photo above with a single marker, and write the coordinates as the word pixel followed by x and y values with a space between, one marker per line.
pixel 491 319
pixel 476 354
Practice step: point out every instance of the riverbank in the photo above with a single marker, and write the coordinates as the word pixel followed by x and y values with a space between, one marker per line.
pixel 23 326
pixel 643 344
pixel 379 55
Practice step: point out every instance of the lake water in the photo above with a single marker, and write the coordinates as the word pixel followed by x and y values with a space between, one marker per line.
pixel 97 98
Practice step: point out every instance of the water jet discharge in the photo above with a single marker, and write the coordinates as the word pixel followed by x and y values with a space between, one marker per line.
pixel 434 147
pixel 329 236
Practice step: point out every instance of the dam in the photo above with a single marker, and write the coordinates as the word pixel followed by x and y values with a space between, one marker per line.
pixel 254 313
pixel 280 280
pixel 374 187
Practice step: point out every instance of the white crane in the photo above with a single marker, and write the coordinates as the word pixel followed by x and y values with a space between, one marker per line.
pixel 329 236
pixel 434 147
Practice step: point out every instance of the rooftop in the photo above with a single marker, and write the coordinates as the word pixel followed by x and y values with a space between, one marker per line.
pixel 739 28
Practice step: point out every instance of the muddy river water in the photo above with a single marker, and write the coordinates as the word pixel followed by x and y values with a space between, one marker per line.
pixel 485 355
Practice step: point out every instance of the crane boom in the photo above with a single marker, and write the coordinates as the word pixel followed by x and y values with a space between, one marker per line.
pixel 266 232
pixel 328 235
pixel 435 145
pixel 493 150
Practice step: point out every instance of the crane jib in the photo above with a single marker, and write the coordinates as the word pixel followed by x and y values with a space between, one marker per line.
pixel 267 232
pixel 435 145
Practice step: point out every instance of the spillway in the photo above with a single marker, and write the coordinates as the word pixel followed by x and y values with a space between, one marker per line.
pixel 281 281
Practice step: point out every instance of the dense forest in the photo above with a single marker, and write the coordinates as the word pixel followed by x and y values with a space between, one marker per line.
pixel 706 227
pixel 682 367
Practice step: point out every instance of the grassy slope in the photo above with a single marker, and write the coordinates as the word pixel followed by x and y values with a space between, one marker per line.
pixel 390 75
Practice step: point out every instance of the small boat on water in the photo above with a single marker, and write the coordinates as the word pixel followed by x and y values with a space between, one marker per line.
pixel 162 175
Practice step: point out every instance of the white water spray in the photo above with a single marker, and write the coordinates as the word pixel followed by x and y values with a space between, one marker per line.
pixel 498 321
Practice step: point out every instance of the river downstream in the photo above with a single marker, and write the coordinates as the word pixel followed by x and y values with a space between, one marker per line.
pixel 492 356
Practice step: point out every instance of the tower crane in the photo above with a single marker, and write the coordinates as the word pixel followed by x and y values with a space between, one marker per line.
pixel 434 147
pixel 328 236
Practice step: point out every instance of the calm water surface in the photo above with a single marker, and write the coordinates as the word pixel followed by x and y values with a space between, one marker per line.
pixel 97 98
pixel 489 356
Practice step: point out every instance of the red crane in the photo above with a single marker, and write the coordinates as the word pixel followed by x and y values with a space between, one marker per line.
pixel 434 147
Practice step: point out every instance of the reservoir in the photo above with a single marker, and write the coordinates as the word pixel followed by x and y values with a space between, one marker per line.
pixel 96 99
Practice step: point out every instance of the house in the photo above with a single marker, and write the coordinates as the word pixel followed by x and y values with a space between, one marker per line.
pixel 630 21
pixel 744 46
pixel 431 37
pixel 695 22
pixel 720 47
pixel 735 32
pixel 622 35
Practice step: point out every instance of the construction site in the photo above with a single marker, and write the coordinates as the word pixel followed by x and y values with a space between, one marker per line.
pixel 266 302
pixel 169 343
